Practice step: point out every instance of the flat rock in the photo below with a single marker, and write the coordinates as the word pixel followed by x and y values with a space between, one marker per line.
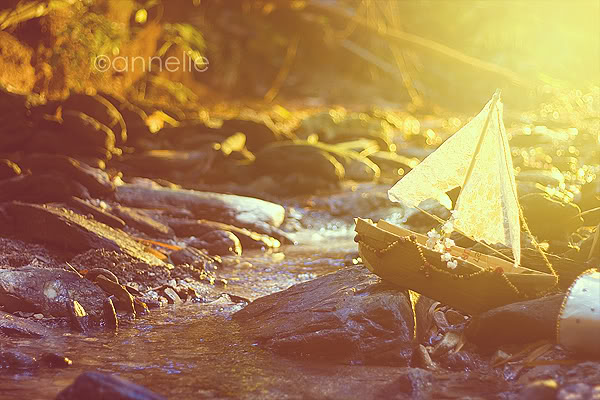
pixel 100 386
pixel 49 290
pixel 67 229
pixel 230 209
pixel 523 322
pixel 16 326
pixel 143 222
pixel 348 315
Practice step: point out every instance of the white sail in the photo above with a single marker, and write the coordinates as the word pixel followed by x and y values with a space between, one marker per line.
pixel 487 207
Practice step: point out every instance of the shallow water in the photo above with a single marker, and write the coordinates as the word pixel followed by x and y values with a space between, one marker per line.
pixel 197 351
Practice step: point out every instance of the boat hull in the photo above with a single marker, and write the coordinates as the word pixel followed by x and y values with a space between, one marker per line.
pixel 469 288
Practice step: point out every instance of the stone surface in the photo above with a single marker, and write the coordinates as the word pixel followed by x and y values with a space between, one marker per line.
pixel 412 383
pixel 219 242
pixel 523 322
pixel 100 386
pixel 15 360
pixel 16 326
pixel 348 315
pixel 66 229
pixel 230 209
pixel 48 290
pixel 143 222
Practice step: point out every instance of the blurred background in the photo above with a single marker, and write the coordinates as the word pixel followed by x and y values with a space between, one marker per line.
pixel 418 53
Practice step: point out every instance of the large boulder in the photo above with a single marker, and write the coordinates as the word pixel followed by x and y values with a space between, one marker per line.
pixel 348 315
pixel 99 386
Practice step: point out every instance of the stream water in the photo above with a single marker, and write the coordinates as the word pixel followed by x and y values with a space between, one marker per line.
pixel 197 351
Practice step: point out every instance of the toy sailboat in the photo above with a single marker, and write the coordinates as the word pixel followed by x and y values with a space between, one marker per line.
pixel 477 159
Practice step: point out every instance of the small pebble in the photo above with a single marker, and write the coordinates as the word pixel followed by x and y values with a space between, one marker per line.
pixel 38 316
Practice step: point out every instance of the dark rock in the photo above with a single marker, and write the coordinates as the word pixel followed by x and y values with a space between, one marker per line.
pixel 141 308
pixel 258 133
pixel 348 315
pixel 99 386
pixel 21 327
pixel 192 256
pixel 70 230
pixel 41 188
pixel 286 158
pixel 143 222
pixel 15 360
pixel 229 209
pixel 54 360
pixel 96 212
pixel 413 383
pixel 549 218
pixel 50 289
pixel 99 108
pixel 8 169
pixel 575 391
pixel 539 390
pixel 110 315
pixel 95 180
pixel 219 242
pixel 78 318
pixel 523 322
pixel 120 293
pixel 199 228
pixel 422 359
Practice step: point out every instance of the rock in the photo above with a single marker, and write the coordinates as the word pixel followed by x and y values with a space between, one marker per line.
pixel 15 360
pixel 54 360
pixel 99 386
pixel 523 322
pixel 110 315
pixel 172 296
pixel 549 218
pixel 413 383
pixel 96 212
pixel 8 169
pixel 258 133
pixel 286 158
pixel 219 242
pixel 447 344
pixel 199 228
pixel 21 327
pixel 392 165
pixel 239 211
pixel 539 390
pixel 49 290
pixel 41 188
pixel 99 108
pixel 192 256
pixel 348 315
pixel 576 391
pixel 422 359
pixel 78 318
pixel 95 180
pixel 64 228
pixel 120 293
pixel 143 222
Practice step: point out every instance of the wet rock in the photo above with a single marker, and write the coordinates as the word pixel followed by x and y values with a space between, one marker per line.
pixel 229 209
pixel 258 133
pixel 8 169
pixel 348 315
pixel 21 327
pixel 95 180
pixel 100 386
pixel 143 222
pixel 109 314
pixel 219 242
pixel 78 318
pixel 50 290
pixel 101 109
pixel 422 359
pixel 523 322
pixel 413 383
pixel 64 228
pixel 199 228
pixel 284 159
pixel 54 360
pixel 447 344
pixel 549 218
pixel 539 390
pixel 125 267
pixel 120 293
pixel 171 295
pixel 192 256
pixel 15 360
pixel 576 391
